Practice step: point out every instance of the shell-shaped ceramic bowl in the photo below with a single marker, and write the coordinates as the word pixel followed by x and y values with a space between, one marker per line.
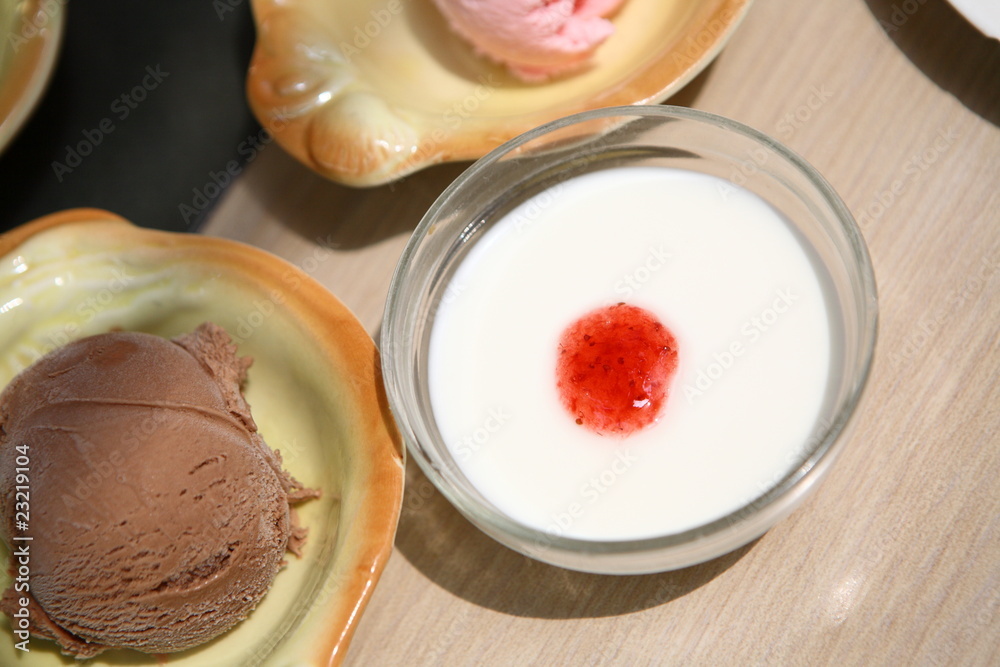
pixel 315 389
pixel 32 32
pixel 367 91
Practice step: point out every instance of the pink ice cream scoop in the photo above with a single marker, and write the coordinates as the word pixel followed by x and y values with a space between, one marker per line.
pixel 535 39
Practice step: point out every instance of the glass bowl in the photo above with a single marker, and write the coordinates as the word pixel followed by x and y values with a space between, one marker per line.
pixel 581 144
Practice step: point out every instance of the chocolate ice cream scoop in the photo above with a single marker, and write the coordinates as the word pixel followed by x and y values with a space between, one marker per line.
pixel 158 516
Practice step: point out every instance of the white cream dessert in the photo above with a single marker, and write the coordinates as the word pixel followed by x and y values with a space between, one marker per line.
pixel 736 376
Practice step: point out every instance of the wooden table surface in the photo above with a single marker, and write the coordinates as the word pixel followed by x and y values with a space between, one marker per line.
pixel 895 560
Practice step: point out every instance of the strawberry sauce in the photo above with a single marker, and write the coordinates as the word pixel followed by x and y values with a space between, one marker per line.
pixel 614 369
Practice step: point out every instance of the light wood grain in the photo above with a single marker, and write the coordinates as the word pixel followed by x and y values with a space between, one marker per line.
pixel 896 559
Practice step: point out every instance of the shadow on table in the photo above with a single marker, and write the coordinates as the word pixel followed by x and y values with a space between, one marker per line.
pixel 457 556
pixel 688 95
pixel 949 50
pixel 340 216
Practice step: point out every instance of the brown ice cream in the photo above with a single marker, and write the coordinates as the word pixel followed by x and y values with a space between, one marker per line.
pixel 158 515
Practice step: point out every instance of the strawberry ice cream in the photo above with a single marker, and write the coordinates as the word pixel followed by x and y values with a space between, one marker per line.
pixel 535 39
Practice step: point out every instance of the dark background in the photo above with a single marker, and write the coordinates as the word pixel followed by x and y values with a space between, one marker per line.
pixel 192 121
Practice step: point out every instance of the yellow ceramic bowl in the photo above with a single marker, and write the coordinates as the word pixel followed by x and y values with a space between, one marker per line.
pixel 315 389
pixel 366 91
